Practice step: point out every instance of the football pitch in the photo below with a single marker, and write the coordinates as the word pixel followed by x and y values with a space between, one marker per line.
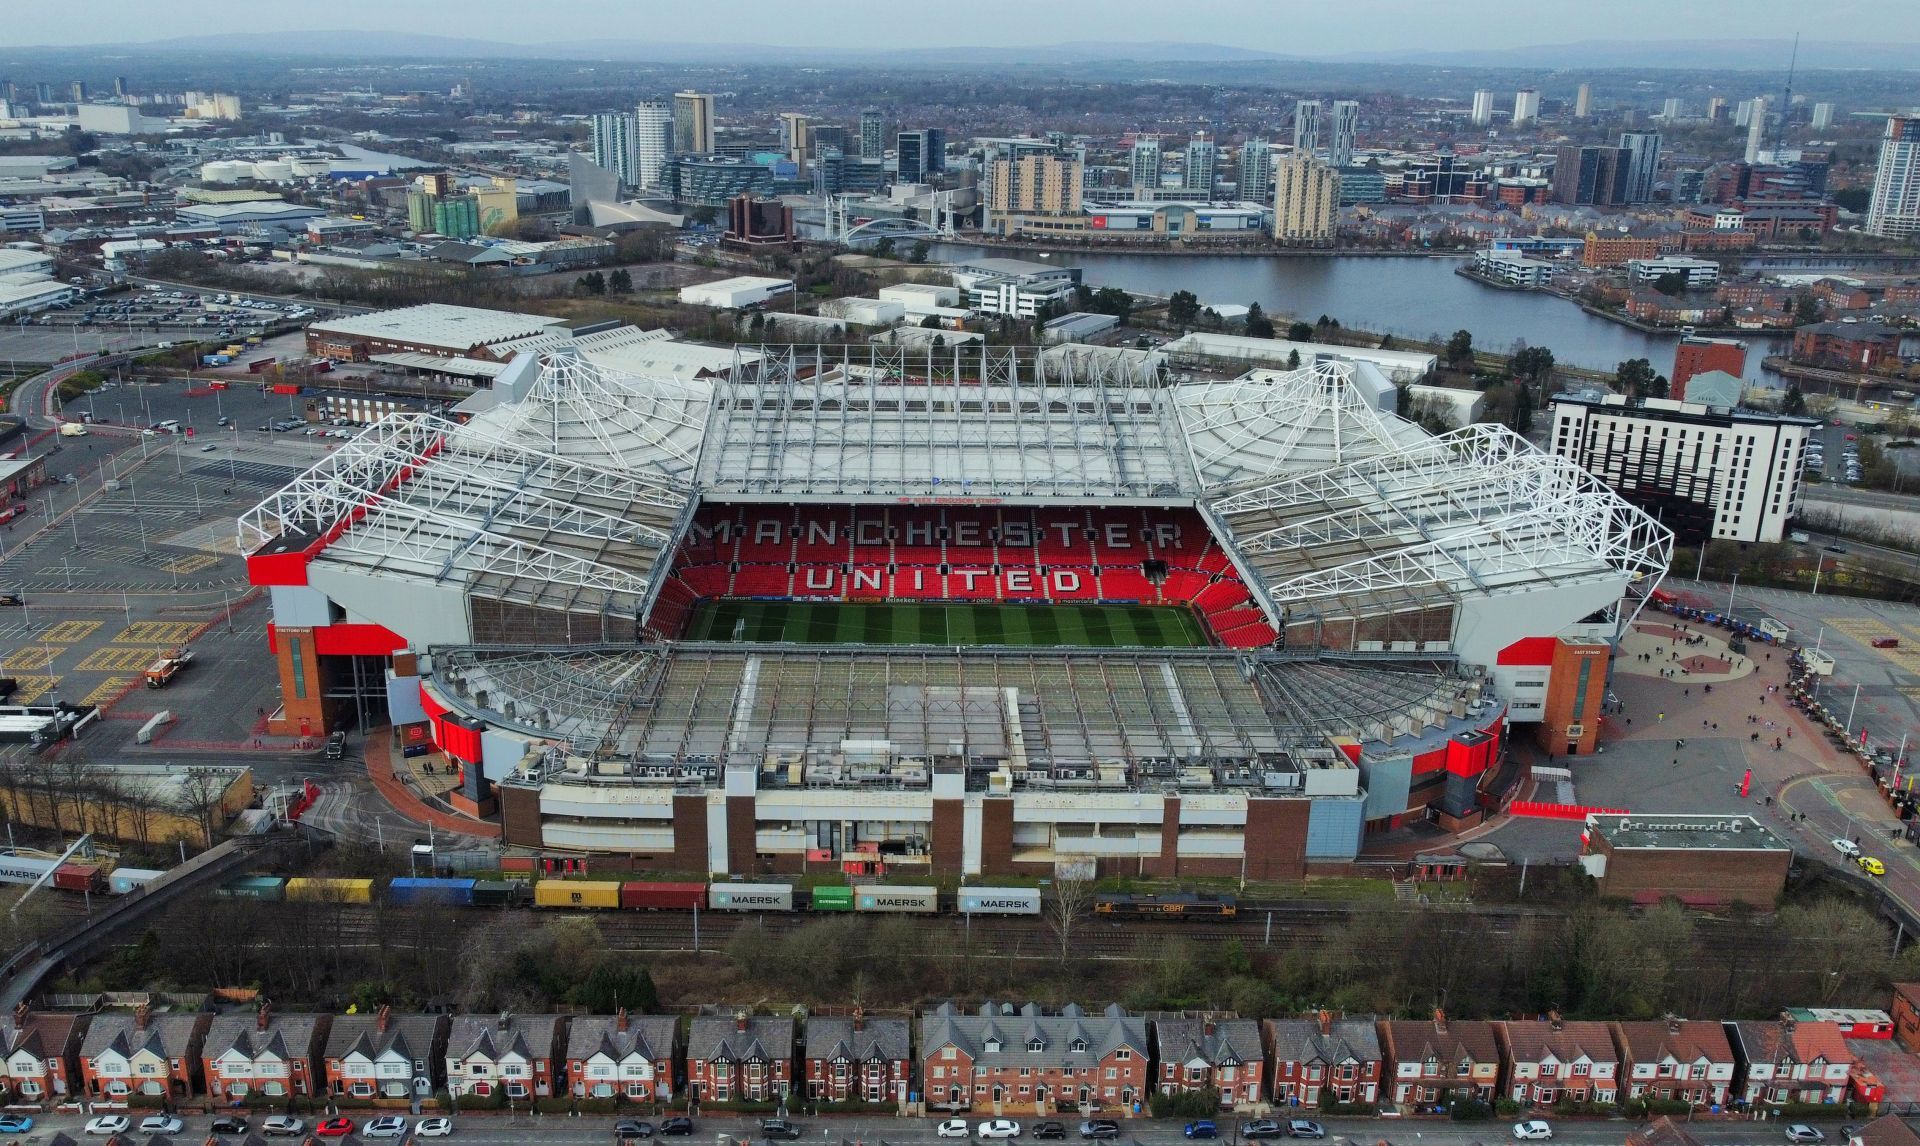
pixel 935 623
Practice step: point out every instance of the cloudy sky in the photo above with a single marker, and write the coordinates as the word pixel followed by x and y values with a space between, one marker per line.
pixel 1302 27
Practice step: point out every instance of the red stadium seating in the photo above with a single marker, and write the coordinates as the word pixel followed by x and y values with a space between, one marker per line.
pixel 1150 555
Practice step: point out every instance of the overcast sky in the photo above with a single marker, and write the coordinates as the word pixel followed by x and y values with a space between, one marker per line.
pixel 1303 27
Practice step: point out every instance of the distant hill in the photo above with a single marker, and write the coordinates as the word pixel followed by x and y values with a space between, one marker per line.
pixel 1719 55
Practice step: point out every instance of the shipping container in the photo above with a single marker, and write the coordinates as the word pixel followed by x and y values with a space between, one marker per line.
pixel 126 880
pixel 750 897
pixel 576 893
pixel 913 900
pixel 286 388
pixel 662 896
pixel 832 899
pixel 406 892
pixel 258 365
pixel 310 890
pixel 499 893
pixel 25 869
pixel 256 887
pixel 79 877
pixel 999 901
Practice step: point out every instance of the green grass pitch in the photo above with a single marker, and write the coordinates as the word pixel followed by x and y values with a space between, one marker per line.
pixel 938 623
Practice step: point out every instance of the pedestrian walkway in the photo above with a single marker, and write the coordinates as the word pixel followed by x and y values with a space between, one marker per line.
pixel 406 800
pixel 1684 651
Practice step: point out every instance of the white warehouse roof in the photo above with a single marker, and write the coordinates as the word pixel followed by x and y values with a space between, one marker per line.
pixel 440 324
pixel 1397 365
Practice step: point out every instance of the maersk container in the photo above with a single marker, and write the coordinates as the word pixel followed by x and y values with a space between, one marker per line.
pixel 408 892
pixel 832 899
pixel 315 890
pixel 25 869
pixel 750 897
pixel 635 896
pixel 576 893
pixel 271 887
pixel 126 880
pixel 999 901
pixel 912 900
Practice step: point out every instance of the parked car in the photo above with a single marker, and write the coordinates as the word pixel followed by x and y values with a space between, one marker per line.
pixel 632 1128
pixel 678 1124
pixel 779 1129
pixel 433 1127
pixel 1886 642
pixel 1262 1128
pixel 998 1128
pixel 1531 1130
pixel 1870 865
pixel 1100 1128
pixel 1846 847
pixel 160 1124
pixel 110 1124
pixel 1305 1128
pixel 228 1124
pixel 1049 1131
pixel 338 1127
pixel 385 1126
pixel 15 1124
pixel 1204 1128
pixel 1801 1132
pixel 951 1128
pixel 283 1126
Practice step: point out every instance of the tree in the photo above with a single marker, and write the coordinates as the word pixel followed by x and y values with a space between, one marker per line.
pixel 1806 308
pixel 1672 284
pixel 919 251
pixel 931 322
pixel 620 281
pixel 1459 350
pixel 593 282
pixel 704 215
pixel 1183 307
pixel 939 341
pixel 1636 378
pixel 1300 331
pixel 1795 403
pixel 1522 408
pixel 1855 199
pixel 1111 300
pixel 1258 324
pixel 884 248
pixel 1532 362
pixel 1071 901
pixel 1293 359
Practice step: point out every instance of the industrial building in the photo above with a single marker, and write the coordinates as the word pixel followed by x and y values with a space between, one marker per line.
pixel 431 328
pixel 1400 367
pixel 1513 268
pixel 1702 860
pixel 533 591
pixel 736 293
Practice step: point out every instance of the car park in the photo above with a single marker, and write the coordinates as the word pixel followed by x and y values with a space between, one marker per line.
pixel 1801 1132
pixel 433 1128
pixel 109 1124
pixel 998 1128
pixel 282 1126
pixel 1532 1130
pixel 1305 1128
pixel 160 1124
pixel 951 1128
pixel 1204 1128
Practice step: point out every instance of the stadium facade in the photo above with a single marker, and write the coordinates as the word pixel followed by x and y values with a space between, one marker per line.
pixel 523 589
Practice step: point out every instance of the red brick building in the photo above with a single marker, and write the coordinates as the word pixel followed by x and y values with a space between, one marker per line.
pixel 42 1054
pixel 1315 1057
pixel 858 1057
pixel 138 1052
pixel 264 1055
pixel 1688 1060
pixel 1844 345
pixel 1695 355
pixel 617 1055
pixel 1906 1015
pixel 1224 1055
pixel 1006 1058
pixel 1548 1060
pixel 1699 860
pixel 1432 1061
pixel 513 1055
pixel 745 1057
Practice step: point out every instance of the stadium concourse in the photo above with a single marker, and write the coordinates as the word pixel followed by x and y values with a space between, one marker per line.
pixel 972 610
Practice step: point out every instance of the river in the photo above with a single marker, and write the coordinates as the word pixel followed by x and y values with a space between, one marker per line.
pixel 1411 297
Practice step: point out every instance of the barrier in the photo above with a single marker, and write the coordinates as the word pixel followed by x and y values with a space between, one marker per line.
pixel 1540 809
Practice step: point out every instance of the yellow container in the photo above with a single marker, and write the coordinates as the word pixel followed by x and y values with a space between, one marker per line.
pixel 308 890
pixel 576 893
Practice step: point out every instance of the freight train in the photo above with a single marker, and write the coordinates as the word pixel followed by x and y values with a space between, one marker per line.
pixel 74 875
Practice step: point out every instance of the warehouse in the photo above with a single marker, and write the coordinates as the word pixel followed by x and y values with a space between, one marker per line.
pixel 1701 860
pixel 736 293
pixel 144 803
pixel 28 293
pixel 230 217
pixel 18 261
pixel 431 328
pixel 1401 367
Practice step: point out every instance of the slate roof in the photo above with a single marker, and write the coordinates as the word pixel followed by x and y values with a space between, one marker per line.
pixel 1015 1029
pixel 1681 1039
pixel 168 1035
pixel 493 1036
pixel 287 1036
pixel 1534 1041
pixel 1300 1040
pixel 413 1036
pixel 883 1039
pixel 1448 1042
pixel 1791 1041
pixel 1183 1040
pixel 714 1037
pixel 652 1037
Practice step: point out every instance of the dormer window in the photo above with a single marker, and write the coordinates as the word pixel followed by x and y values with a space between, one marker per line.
pixel 993 1046
pixel 1079 1046
pixel 1035 1045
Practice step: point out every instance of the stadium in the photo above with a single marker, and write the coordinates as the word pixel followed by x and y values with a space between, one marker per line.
pixel 971 610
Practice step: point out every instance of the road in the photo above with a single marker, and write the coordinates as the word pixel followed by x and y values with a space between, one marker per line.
pixel 871 1130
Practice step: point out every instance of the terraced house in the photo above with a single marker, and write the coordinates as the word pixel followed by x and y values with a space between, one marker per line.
pixel 1003 1057
pixel 1689 1060
pixel 1224 1055
pixel 747 1056
pixel 510 1055
pixel 1791 1061
pixel 622 1055
pixel 138 1052
pixel 858 1057
pixel 264 1054
pixel 42 1054
pixel 384 1055
pixel 1431 1061
pixel 1314 1056
pixel 1550 1059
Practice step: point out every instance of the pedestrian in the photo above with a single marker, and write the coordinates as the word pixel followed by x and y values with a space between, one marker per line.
pixel 1662 717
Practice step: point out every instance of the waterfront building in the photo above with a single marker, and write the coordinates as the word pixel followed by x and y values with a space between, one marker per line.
pixel 1306 126
pixel 1346 129
pixel 1895 210
pixel 692 123
pixel 1306 198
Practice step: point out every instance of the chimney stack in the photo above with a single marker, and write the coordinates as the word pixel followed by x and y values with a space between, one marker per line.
pixel 740 1022
pixel 1673 1024
pixel 620 1020
pixel 1206 1028
pixel 260 1019
pixel 20 1014
pixel 1440 1020
pixel 1326 1021
pixel 382 1017
pixel 859 1019
pixel 1553 1019
pixel 1786 1022
pixel 140 1015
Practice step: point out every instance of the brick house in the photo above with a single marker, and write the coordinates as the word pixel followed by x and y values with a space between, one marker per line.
pixel 505 1054
pixel 1787 1060
pixel 264 1054
pixel 1433 1059
pixel 622 1055
pixel 744 1057
pixel 859 1057
pixel 1549 1059
pixel 139 1052
pixel 1844 345
pixel 1685 1059
pixel 42 1054
pixel 1225 1054
pixel 384 1055
pixel 1322 1057
pixel 1000 1057
pixel 1905 1010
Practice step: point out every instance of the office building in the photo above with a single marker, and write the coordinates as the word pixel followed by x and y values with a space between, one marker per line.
pixel 1362 185
pixel 652 144
pixel 1144 162
pixel 713 180
pixel 1513 268
pixel 1202 165
pixel 1036 183
pixel 1895 210
pixel 1822 116
pixel 754 222
pixel 1306 201
pixel 1013 286
pixel 1708 473
pixel 794 136
pixel 1526 107
pixel 1346 128
pixel 1483 107
pixel 1699 273
pixel 1743 113
pixel 1643 163
pixel 1306 126
pixel 1255 183
pixel 616 146
pixel 1756 128
pixel 824 135
pixel 1696 355
pixel 1590 176
pixel 1583 102
pixel 692 123
pixel 921 153
pixel 873 135
pixel 120 86
pixel 1670 110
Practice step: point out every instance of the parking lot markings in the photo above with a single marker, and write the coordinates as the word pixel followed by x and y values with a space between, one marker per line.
pixel 67 632
pixel 32 688
pixel 156 632
pixel 117 658
pixel 107 690
pixel 31 657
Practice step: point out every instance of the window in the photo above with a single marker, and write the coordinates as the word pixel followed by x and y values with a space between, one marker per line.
pixel 1112 1072
pixel 1581 1068
pixel 949 1053
pixel 1121 1055
pixel 516 1090
pixel 361 1090
pixel 1036 1045
pixel 1466 1064
pixel 1699 1070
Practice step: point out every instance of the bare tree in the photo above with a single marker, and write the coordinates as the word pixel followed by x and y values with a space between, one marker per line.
pixel 1071 901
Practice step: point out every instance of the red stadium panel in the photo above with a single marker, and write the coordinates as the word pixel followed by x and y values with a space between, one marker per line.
pixel 1126 585
pixel 971 535
pixel 867 582
pixel 763 580
pixel 1061 537
pixel 1182 585
pixel 1213 561
pixel 824 534
pixel 919 583
pixel 972 583
pixel 1249 636
pixel 1220 595
pixel 767 534
pixel 915 536
pixel 1072 583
